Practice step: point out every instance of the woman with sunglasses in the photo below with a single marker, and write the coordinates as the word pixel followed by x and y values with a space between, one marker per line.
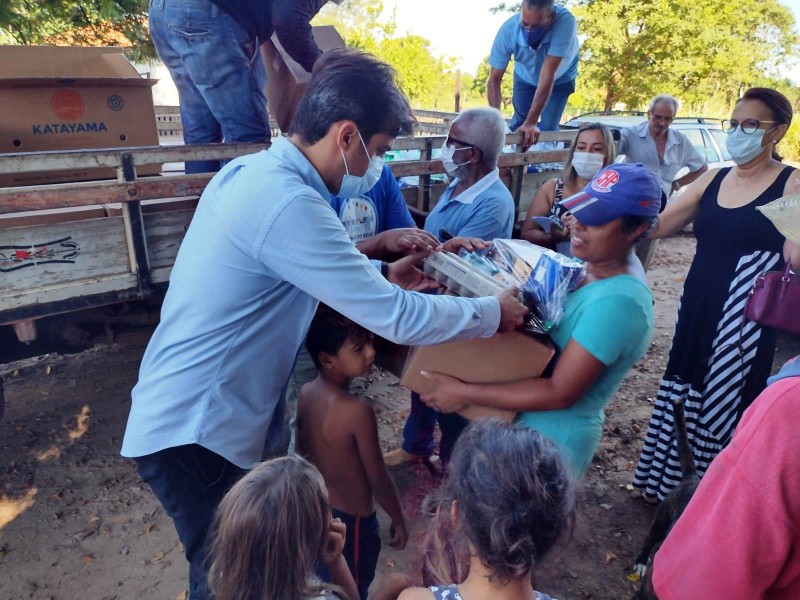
pixel 719 362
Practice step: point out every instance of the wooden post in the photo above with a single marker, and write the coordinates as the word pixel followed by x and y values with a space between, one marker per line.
pixel 517 173
pixel 458 91
pixel 424 188
pixel 134 228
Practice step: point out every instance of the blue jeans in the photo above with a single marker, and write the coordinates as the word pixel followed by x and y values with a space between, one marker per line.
pixel 418 430
pixel 189 482
pixel 217 68
pixel 522 98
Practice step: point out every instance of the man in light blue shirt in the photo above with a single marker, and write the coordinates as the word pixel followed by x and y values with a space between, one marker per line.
pixel 263 247
pixel 543 39
pixel 380 224
pixel 475 204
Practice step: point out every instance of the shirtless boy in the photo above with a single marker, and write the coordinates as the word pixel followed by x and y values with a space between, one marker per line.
pixel 339 434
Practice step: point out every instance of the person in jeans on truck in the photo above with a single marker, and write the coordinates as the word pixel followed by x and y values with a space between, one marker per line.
pixel 212 51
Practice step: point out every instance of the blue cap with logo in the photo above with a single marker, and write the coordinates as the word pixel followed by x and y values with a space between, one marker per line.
pixel 616 191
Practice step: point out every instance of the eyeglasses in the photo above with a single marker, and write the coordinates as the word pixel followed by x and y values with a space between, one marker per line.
pixel 662 118
pixel 748 126
pixel 451 140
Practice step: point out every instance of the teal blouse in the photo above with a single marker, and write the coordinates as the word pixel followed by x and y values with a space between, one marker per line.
pixel 613 320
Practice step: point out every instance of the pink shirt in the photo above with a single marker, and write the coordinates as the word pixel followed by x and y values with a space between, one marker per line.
pixel 739 538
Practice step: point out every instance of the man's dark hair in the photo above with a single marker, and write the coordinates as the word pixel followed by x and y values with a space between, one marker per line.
pixel 329 331
pixel 539 4
pixel 348 84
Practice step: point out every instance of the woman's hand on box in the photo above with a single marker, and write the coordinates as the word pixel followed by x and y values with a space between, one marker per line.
pixel 448 394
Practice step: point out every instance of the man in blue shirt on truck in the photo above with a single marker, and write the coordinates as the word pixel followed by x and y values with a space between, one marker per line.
pixel 543 39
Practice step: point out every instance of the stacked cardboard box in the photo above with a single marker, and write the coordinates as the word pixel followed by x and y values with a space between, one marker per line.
pixel 70 98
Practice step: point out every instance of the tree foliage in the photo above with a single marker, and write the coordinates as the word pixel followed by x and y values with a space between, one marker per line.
pixel 428 80
pixel 82 22
pixel 704 51
pixel 481 80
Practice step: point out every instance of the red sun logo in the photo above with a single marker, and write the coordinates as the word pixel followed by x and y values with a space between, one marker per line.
pixel 67 105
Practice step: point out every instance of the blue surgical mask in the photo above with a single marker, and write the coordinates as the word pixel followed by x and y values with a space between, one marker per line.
pixel 354 186
pixel 744 147
pixel 534 36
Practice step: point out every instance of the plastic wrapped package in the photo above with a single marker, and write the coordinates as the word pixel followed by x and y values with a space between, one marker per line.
pixel 544 277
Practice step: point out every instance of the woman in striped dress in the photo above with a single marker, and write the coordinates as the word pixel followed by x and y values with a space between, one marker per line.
pixel 719 362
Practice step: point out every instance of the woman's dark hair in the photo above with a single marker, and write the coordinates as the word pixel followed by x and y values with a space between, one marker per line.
pixel 268 533
pixel 514 498
pixel 777 104
pixel 329 331
pixel 348 84
pixel 630 223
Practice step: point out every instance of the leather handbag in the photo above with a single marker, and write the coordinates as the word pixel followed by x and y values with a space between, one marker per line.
pixel 774 300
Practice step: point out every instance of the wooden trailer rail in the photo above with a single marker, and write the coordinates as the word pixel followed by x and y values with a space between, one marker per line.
pixel 70 246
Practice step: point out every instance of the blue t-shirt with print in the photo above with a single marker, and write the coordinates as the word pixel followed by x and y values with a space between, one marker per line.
pixel 380 209
pixel 560 40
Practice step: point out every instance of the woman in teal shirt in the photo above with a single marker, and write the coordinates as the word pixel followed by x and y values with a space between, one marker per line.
pixel 606 326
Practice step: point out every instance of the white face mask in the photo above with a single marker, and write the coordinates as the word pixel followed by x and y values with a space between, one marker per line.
pixel 744 147
pixel 354 186
pixel 447 159
pixel 587 164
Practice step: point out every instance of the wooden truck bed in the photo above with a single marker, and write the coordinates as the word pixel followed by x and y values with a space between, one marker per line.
pixel 70 246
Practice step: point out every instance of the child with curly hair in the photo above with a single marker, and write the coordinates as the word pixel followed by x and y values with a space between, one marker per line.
pixel 507 499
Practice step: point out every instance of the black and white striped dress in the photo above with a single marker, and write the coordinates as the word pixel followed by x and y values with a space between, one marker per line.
pixel 716 365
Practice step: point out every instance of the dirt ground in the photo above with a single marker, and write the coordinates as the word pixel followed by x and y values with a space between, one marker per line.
pixel 76 521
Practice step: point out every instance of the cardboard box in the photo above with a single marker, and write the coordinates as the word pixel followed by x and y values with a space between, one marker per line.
pixel 68 98
pixel 504 357
pixel 286 79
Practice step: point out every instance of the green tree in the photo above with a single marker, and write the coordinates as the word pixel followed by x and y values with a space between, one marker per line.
pixel 481 80
pixel 790 145
pixel 359 22
pixel 82 22
pixel 427 80
pixel 705 51
pixel 420 73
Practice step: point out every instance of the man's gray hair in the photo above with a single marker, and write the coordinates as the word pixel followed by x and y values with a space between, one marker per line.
pixel 666 98
pixel 487 131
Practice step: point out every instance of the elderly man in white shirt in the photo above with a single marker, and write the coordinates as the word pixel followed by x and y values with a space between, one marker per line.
pixel 663 150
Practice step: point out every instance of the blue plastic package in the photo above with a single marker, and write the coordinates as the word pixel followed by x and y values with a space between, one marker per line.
pixel 544 277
